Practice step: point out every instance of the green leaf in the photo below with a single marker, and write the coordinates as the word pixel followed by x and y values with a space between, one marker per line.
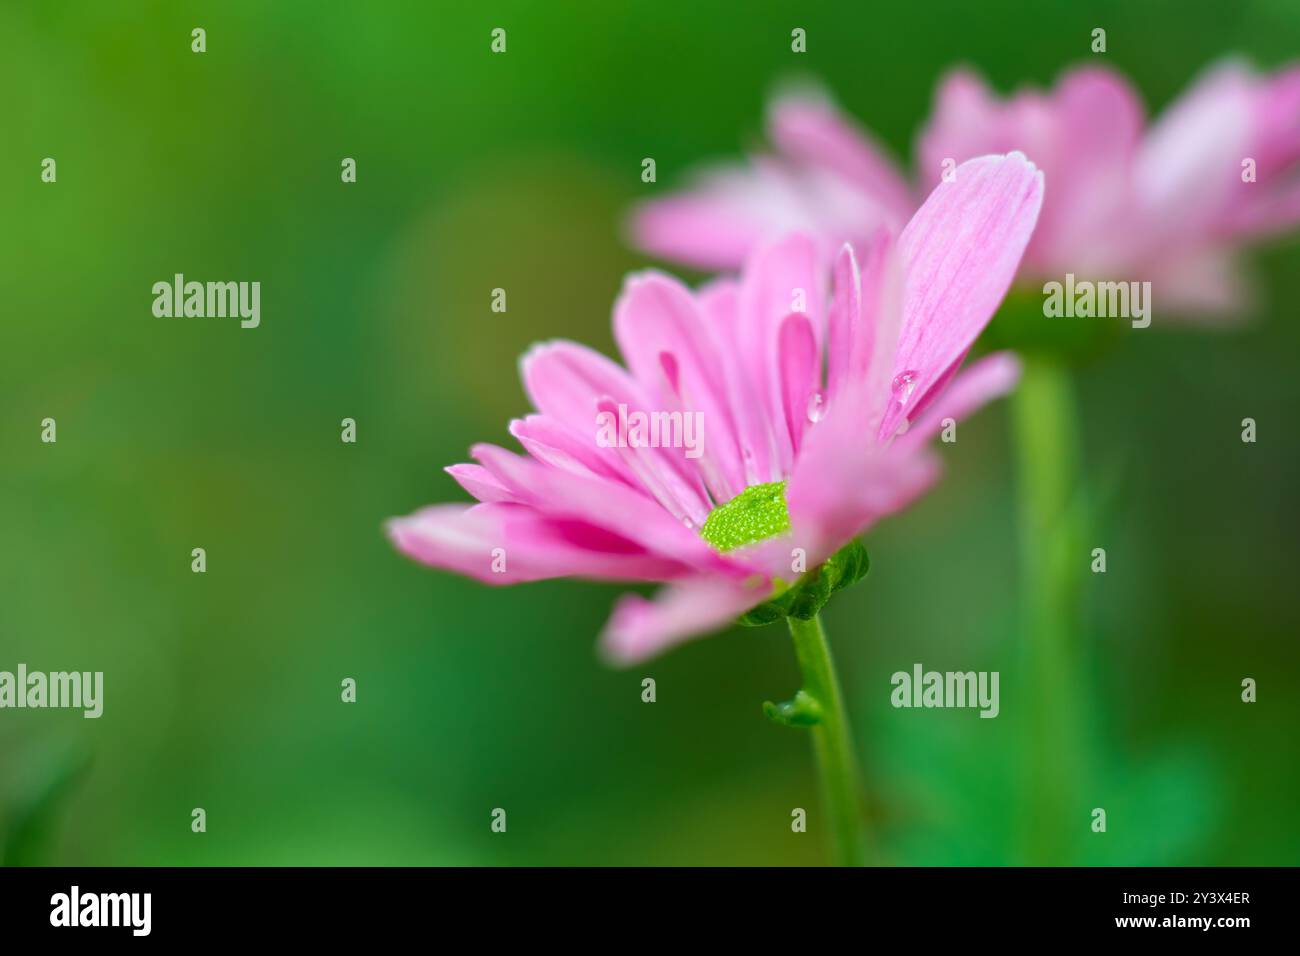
pixel 35 818
pixel 802 711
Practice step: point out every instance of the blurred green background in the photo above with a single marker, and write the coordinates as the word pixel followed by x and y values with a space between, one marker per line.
pixel 478 171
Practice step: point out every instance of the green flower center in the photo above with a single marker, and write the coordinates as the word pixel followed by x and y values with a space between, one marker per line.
pixel 757 513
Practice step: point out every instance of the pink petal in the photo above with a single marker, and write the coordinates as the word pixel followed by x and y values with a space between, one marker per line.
pixel 479 482
pixel 875 342
pixel 728 212
pixel 655 474
pixel 865 323
pixel 775 279
pixel 1275 143
pixel 639 628
pixel 719 299
pixel 843 483
pixel 508 544
pixel 800 371
pixel 1272 202
pixel 624 511
pixel 721 302
pixel 1097 121
pixel 1083 133
pixel 966 120
pixel 843 318
pixel 657 317
pixel 1189 166
pixel 960 252
pixel 710 226
pixel 565 381
pixel 865 319
pixel 973 387
pixel 745 382
pixel 810 129
pixel 556 444
pixel 922 404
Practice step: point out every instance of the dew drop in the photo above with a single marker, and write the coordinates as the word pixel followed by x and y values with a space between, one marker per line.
pixel 903 385
pixel 816 407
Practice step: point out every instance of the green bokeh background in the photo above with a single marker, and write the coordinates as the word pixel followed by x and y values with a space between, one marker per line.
pixel 479 171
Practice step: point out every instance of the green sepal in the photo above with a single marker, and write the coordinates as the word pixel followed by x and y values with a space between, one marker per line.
pixel 810 593
pixel 769 612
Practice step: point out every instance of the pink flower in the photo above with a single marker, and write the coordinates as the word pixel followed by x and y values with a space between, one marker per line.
pixel 1170 202
pixel 816 417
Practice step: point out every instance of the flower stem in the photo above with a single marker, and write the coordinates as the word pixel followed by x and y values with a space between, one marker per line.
pixel 1052 557
pixel 841 794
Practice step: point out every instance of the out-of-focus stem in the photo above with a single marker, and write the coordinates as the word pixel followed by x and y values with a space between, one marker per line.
pixel 1053 560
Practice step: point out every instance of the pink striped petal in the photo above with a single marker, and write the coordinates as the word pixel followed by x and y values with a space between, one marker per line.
pixel 639 628
pixel 779 278
pixel 627 512
pixel 975 386
pixel 843 316
pixel 674 352
pixel 799 366
pixel 509 544
pixel 653 470
pixel 960 252
pixel 745 381
pixel 554 443
pixel 864 325
pixel 565 380
pixel 875 345
pixel 479 482
pixel 843 482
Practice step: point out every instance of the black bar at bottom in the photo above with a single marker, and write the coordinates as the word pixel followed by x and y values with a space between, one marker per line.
pixel 366 905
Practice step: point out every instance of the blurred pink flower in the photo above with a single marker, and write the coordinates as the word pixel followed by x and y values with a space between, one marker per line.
pixel 1170 202
pixel 792 458
pixel 827 178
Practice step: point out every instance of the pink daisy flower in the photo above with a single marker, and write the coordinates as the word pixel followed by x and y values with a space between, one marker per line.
pixel 1170 202
pixel 816 407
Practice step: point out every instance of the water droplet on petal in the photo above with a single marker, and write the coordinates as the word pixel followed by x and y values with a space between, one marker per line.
pixel 903 385
pixel 816 407
pixel 903 426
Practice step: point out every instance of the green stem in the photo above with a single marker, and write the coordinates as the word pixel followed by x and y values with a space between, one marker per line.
pixel 841 794
pixel 1052 560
